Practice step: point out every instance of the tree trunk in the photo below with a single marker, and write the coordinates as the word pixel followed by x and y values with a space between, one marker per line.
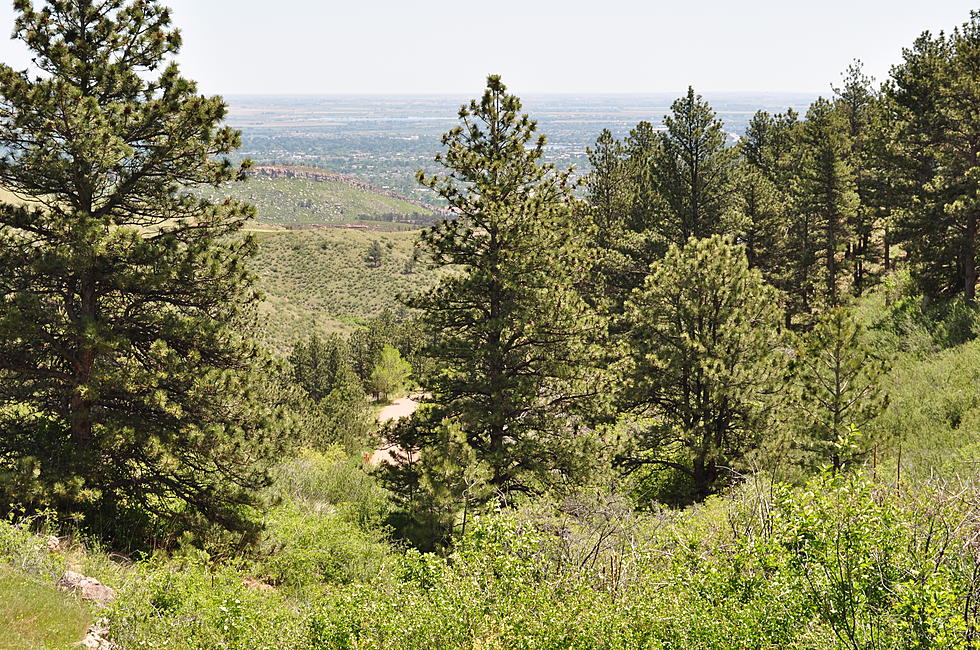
pixel 970 260
pixel 888 252
pixel 80 407
pixel 832 260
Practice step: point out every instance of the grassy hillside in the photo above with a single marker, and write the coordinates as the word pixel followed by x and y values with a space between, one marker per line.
pixel 299 201
pixel 34 614
pixel 319 280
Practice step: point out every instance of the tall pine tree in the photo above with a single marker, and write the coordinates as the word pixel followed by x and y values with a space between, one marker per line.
pixel 125 303
pixel 508 331
pixel 826 195
pixel 693 171
pixel 935 95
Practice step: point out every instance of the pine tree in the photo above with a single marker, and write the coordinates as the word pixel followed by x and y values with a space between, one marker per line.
pixel 606 186
pixel 768 144
pixel 858 100
pixel 693 170
pixel 127 306
pixel 826 191
pixel 839 382
pixel 703 368
pixel 776 236
pixel 375 255
pixel 762 220
pixel 640 146
pixel 509 332
pixel 319 366
pixel 935 95
pixel 334 407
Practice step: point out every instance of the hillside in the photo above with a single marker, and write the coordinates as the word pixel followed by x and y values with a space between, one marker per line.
pixel 297 196
pixel 319 280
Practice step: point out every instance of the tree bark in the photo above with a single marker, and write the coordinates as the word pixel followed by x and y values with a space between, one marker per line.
pixel 970 260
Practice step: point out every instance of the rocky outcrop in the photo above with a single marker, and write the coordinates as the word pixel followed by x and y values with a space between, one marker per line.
pixel 88 589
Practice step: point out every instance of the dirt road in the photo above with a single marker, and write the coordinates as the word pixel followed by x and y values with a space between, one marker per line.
pixel 397 410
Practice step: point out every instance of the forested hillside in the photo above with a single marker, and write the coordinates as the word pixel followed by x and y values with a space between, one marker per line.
pixel 719 396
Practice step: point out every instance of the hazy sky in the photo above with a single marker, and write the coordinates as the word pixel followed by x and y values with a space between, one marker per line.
pixel 449 46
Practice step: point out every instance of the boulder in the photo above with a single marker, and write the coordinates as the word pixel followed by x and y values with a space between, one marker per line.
pixel 70 581
pixel 89 589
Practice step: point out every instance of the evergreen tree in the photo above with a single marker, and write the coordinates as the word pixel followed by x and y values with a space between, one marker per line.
pixel 367 343
pixel 607 191
pixel 610 195
pixel 334 407
pixel 826 193
pixel 319 366
pixel 775 234
pixel 375 255
pixel 857 99
pixel 761 210
pixel 693 170
pixel 634 241
pixel 509 332
pixel 126 304
pixel 839 380
pixel 934 95
pixel 640 147
pixel 703 367
pixel 769 144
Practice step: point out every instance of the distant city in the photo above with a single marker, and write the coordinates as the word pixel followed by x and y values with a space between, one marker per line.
pixel 385 139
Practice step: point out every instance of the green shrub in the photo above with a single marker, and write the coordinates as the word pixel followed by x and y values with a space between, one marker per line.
pixel 302 548
pixel 168 602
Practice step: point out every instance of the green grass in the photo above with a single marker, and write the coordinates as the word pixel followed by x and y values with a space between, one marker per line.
pixel 298 201
pixel 318 281
pixel 38 616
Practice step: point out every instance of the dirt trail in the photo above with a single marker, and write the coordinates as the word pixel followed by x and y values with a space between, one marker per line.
pixel 397 410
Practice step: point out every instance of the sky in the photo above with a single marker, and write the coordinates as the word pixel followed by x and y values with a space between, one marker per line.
pixel 539 46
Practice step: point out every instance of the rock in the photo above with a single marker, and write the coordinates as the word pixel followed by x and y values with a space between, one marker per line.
pixel 97 637
pixel 94 591
pixel 54 545
pixel 70 581
pixel 89 589
pixel 257 585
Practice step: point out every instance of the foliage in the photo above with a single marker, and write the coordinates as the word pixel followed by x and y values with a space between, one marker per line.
pixel 825 193
pixel 933 96
pixel 317 282
pixel 375 255
pixel 301 201
pixel 839 380
pixel 508 335
pixel 131 382
pixel 701 364
pixel 692 172
pixel 390 374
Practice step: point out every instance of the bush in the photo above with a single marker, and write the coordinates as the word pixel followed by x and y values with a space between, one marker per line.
pixel 169 600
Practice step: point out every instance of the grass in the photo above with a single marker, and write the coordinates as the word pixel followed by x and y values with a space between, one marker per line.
pixel 300 201
pixel 37 615
pixel 318 281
